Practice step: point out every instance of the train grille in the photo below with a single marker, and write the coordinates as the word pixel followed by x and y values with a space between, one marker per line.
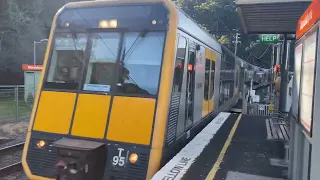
pixel 135 171
pixel 42 161
pixel 173 117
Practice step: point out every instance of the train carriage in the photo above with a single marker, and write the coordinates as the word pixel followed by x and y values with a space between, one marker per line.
pixel 132 81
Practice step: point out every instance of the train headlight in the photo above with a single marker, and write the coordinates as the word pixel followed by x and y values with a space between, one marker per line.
pixel 133 157
pixel 41 144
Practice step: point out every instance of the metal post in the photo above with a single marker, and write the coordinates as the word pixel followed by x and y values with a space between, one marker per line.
pixel 271 72
pixel 34 63
pixel 236 45
pixel 278 53
pixel 17 102
pixel 34 52
pixel 283 71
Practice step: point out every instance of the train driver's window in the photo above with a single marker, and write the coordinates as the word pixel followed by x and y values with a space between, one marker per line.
pixel 66 61
pixel 140 63
pixel 102 64
pixel 179 65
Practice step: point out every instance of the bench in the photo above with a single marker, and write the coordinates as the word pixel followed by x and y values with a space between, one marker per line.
pixel 278 129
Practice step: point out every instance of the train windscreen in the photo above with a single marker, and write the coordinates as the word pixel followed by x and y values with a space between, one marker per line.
pixel 115 49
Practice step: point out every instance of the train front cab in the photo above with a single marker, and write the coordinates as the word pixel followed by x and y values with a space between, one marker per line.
pixel 87 91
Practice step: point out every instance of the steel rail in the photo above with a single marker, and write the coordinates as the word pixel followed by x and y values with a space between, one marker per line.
pixel 12 168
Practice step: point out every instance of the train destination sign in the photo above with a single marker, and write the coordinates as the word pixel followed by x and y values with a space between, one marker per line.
pixel 269 38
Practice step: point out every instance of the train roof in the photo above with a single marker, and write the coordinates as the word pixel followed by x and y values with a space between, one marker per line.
pixel 185 22
pixel 188 25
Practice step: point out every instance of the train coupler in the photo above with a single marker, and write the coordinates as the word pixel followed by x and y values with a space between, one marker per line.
pixel 80 159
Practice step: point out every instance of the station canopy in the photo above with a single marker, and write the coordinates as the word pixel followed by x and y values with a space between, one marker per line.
pixel 270 16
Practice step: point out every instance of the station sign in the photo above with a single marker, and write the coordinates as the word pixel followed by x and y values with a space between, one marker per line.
pixel 269 38
pixel 309 18
pixel 31 67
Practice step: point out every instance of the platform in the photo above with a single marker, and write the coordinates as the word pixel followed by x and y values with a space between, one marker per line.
pixel 238 149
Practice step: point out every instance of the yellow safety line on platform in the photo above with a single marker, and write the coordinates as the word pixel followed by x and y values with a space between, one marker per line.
pixel 216 165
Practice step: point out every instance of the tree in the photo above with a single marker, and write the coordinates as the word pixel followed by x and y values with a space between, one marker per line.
pixel 25 26
pixel 219 18
pixel 21 23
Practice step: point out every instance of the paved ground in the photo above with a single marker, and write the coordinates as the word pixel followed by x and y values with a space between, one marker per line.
pixel 242 176
pixel 247 156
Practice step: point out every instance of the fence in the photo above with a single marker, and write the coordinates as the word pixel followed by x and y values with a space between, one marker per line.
pixel 14 103
pixel 261 109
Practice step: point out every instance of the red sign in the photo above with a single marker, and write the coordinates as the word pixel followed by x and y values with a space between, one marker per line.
pixel 31 67
pixel 308 19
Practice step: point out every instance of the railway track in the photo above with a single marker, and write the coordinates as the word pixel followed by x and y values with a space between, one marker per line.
pixel 4 140
pixel 12 168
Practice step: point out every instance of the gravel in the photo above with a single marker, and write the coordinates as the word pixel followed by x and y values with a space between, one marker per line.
pixel 16 176
pixel 16 131
pixel 16 140
pixel 11 158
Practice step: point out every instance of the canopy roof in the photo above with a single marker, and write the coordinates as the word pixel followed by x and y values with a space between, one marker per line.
pixel 271 16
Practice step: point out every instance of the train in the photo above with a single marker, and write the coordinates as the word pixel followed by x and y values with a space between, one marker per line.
pixel 126 84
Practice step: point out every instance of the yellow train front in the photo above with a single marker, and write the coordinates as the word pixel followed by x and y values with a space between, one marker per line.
pixel 126 85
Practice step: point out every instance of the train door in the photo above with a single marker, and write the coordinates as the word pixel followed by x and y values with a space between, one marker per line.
pixel 199 69
pixel 189 103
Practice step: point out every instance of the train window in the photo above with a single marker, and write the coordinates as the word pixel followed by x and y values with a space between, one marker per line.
pixel 212 71
pixel 102 64
pixel 227 76
pixel 179 65
pixel 307 80
pixel 140 64
pixel 67 61
pixel 206 81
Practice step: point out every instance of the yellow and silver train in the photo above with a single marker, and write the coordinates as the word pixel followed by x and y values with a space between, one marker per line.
pixel 126 84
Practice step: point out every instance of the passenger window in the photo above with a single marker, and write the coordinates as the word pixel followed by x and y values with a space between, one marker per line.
pixel 67 61
pixel 212 71
pixel 140 64
pixel 179 65
pixel 102 64
pixel 206 81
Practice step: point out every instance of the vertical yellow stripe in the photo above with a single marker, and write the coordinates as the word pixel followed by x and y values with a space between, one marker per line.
pixel 216 165
pixel 35 105
pixel 164 92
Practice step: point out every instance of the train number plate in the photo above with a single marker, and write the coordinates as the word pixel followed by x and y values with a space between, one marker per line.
pixel 120 158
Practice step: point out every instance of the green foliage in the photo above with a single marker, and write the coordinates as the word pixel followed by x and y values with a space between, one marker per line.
pixel 219 18
pixel 224 40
